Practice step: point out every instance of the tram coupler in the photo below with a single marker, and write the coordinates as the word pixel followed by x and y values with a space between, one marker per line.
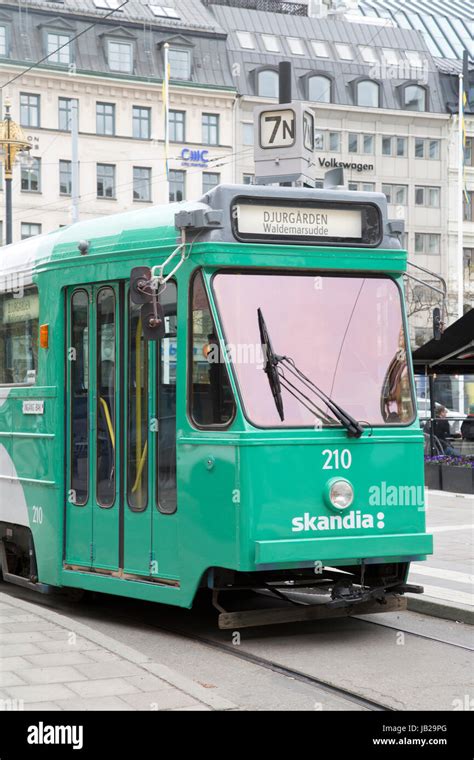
pixel 408 588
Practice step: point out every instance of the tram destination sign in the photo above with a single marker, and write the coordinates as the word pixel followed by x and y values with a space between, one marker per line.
pixel 317 222
pixel 293 221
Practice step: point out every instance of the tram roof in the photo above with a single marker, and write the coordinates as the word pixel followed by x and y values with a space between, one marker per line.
pixel 145 229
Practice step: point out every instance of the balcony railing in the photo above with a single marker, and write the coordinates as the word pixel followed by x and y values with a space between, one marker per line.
pixel 275 6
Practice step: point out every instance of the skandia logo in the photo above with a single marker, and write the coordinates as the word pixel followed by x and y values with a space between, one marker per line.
pixel 348 521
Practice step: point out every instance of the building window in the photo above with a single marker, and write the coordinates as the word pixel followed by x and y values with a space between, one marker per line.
pixel 390 57
pixel 319 140
pixel 247 134
pixel 29 110
pixel 246 40
pixel 319 89
pixel 335 141
pixel 179 63
pixel 163 11
pixel 427 196
pixel 141 123
pixel 177 184
pixel 433 149
pixel 320 49
pixel 368 54
pixel 3 42
pixel 468 152
pixel 29 230
pixel 105 180
pixel 141 183
pixel 368 142
pixel 425 148
pixel 353 142
pixel 210 180
pixel 296 45
pixel 271 43
pixel 394 146
pixel 177 126
pixel 31 175
pixel 427 243
pixel 65 113
pixel 468 206
pixel 401 146
pixel 111 5
pixel 55 41
pixel 344 51
pixel 105 118
pixel 267 83
pixel 368 94
pixel 248 179
pixel 365 187
pixel 120 56
pixel 414 98
pixel 65 178
pixel 396 194
pixel 210 129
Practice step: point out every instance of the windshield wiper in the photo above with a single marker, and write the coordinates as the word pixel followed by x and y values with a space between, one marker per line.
pixel 274 368
pixel 271 363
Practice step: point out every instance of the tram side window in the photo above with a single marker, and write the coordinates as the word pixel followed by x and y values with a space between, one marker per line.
pixel 137 417
pixel 212 401
pixel 106 423
pixel 79 394
pixel 19 313
pixel 166 449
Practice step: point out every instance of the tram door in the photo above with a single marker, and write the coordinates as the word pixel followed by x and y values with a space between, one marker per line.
pixel 121 436
pixel 93 427
pixel 150 545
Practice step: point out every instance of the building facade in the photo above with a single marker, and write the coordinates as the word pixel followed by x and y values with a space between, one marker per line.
pixel 385 109
pixel 114 73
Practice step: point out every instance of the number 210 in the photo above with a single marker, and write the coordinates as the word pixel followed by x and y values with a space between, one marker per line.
pixel 336 459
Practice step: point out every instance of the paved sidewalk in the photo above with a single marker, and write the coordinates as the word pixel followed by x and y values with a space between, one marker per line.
pixel 447 575
pixel 50 662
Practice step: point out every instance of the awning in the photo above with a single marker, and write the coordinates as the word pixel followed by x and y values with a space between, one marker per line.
pixel 453 354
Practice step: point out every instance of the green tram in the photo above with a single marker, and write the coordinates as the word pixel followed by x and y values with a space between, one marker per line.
pixel 213 395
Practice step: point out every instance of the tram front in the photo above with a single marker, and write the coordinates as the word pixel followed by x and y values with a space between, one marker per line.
pixel 312 323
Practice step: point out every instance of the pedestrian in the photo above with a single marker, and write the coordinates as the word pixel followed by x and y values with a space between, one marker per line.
pixel 467 427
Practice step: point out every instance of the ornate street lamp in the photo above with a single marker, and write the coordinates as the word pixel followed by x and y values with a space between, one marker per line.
pixel 12 142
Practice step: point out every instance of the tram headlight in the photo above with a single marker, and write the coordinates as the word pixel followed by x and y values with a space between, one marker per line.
pixel 341 493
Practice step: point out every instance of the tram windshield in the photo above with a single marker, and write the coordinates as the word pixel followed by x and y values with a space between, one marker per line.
pixel 345 333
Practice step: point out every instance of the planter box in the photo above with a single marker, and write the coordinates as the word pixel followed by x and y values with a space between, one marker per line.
pixel 433 475
pixel 457 479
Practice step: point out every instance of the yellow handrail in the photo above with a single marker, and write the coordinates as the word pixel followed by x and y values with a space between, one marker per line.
pixel 108 421
pixel 140 468
pixel 140 455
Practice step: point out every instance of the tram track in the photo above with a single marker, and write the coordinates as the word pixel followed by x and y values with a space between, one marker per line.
pixel 213 642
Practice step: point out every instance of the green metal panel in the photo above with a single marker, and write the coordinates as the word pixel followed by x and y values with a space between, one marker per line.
pixel 343 547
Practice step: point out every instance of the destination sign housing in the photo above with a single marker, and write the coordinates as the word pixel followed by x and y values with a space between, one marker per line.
pixel 314 223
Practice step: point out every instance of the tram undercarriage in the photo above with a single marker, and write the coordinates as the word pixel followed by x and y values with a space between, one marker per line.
pixel 356 590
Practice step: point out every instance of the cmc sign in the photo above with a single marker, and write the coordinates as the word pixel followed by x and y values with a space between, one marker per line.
pixel 194 157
